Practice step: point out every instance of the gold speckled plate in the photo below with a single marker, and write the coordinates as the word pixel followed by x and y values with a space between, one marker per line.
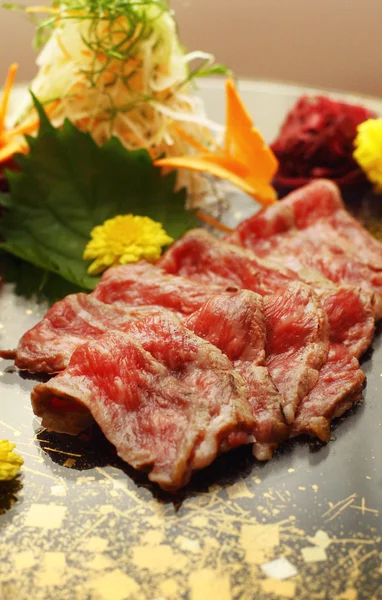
pixel 79 524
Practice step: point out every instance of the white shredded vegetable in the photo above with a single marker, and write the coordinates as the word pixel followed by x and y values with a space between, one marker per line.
pixel 138 89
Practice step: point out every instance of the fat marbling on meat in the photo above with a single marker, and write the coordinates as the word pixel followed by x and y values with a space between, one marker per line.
pixel 48 346
pixel 296 322
pixel 311 228
pixel 143 283
pixel 338 388
pixel 171 414
pixel 236 325
pixel 124 294
pixel 200 256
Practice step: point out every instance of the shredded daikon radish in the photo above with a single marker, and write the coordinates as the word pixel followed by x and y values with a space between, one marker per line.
pixel 116 67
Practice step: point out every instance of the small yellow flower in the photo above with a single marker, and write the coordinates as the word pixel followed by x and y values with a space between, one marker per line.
pixel 368 150
pixel 10 462
pixel 125 239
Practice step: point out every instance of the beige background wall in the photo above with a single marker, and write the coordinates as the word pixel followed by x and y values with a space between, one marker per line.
pixel 335 43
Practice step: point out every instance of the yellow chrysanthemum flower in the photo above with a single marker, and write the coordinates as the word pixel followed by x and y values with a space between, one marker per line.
pixel 125 239
pixel 10 462
pixel 368 150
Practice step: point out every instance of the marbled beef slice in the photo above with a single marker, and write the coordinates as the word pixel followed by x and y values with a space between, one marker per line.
pixel 311 228
pixel 78 318
pixel 169 417
pixel 338 388
pixel 296 322
pixel 236 325
pixel 143 283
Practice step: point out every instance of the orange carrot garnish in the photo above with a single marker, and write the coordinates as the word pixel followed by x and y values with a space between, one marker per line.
pixel 6 94
pixel 11 140
pixel 6 152
pixel 244 160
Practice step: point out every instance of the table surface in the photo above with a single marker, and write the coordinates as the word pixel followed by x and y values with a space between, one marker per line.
pixel 79 524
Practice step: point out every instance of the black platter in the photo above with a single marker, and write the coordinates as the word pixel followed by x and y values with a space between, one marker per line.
pixel 79 524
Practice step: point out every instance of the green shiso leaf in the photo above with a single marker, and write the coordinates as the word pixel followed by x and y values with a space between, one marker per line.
pixel 32 282
pixel 67 185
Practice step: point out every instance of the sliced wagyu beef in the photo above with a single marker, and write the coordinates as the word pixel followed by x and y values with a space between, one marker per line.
pixel 201 257
pixel 222 343
pixel 125 294
pixel 297 343
pixel 311 233
pixel 338 388
pixel 296 322
pixel 295 372
pixel 202 367
pixel 236 325
pixel 350 315
pixel 311 228
pixel 48 346
pixel 320 205
pixel 169 416
pixel 317 208
pixel 298 250
pixel 145 284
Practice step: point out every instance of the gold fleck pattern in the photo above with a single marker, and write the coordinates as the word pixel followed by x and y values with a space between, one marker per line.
pixel 280 569
pixel 313 554
pixel 279 589
pixel 216 582
pixel 115 584
pixel 147 546
pixel 45 516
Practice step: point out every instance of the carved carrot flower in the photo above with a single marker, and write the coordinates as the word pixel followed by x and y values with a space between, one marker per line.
pixel 125 239
pixel 11 141
pixel 10 462
pixel 244 160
